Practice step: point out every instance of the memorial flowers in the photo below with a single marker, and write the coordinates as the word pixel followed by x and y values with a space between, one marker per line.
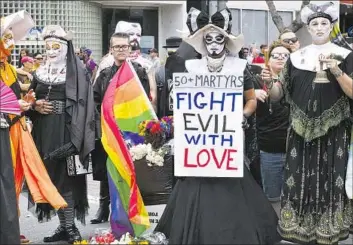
pixel 156 133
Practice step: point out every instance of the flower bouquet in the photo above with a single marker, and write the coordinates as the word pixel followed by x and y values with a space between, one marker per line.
pixel 106 237
pixel 154 160
pixel 156 134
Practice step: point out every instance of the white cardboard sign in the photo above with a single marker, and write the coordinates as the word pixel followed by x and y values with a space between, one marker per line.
pixel 155 213
pixel 208 133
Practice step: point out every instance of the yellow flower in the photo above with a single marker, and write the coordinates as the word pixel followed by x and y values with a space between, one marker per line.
pixel 81 242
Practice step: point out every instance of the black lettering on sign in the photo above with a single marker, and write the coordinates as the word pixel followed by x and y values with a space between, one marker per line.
pixel 153 214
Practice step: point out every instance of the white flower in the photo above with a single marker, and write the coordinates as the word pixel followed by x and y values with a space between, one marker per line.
pixel 153 157
pixel 138 152
pixel 125 239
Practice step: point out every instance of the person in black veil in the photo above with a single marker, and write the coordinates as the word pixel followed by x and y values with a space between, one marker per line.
pixel 219 210
pixel 317 85
pixel 63 126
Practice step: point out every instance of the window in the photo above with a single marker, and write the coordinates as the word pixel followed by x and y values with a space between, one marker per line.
pixel 236 21
pixel 287 18
pixel 257 25
pixel 254 26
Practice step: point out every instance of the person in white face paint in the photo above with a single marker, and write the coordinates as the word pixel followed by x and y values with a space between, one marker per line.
pixel 315 208
pixel 134 31
pixel 61 115
pixel 219 210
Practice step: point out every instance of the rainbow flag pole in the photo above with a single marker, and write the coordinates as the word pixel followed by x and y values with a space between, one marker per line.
pixel 124 106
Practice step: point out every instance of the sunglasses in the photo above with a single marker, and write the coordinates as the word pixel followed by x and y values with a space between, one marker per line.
pixel 290 40
pixel 38 58
pixel 278 56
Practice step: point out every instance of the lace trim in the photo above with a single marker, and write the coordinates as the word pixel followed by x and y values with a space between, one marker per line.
pixel 312 128
pixel 324 228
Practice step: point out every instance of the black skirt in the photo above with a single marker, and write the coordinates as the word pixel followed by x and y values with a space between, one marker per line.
pixel 219 211
pixel 9 223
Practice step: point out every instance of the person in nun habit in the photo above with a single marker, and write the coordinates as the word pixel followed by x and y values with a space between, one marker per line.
pixel 64 111
pixel 317 84
pixel 219 210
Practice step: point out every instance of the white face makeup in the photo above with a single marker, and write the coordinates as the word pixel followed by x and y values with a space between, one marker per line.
pixel 320 29
pixel 135 35
pixel 215 43
pixel 56 52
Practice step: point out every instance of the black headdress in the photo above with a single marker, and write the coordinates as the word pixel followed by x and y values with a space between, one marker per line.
pixel 197 19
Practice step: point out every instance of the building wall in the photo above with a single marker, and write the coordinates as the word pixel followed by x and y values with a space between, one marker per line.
pixel 81 17
pixel 172 20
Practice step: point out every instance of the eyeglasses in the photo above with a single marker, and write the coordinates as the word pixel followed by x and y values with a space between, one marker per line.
pixel 278 56
pixel 120 47
pixel 290 40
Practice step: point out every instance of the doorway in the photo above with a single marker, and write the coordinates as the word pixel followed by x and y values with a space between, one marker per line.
pixel 146 17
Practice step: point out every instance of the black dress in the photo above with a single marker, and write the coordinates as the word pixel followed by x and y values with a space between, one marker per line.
pixel 314 204
pixel 9 223
pixel 219 210
pixel 50 133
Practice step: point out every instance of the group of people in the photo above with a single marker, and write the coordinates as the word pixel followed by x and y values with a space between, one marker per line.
pixel 296 117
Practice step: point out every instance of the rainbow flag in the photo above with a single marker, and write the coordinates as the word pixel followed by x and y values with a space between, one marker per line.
pixel 124 106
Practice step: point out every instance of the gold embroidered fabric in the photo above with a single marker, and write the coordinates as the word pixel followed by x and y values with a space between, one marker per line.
pixel 312 128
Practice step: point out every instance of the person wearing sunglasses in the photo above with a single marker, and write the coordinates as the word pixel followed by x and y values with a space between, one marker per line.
pixel 38 60
pixel 272 122
pixel 289 40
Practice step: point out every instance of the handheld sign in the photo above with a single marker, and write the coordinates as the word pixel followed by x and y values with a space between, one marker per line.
pixel 208 133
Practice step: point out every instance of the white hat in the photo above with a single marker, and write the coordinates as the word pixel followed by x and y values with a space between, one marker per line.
pixel 127 27
pixel 56 32
pixel 311 11
pixel 19 23
pixel 199 22
pixel 234 43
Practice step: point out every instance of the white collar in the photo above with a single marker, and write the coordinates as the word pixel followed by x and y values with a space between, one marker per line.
pixel 307 58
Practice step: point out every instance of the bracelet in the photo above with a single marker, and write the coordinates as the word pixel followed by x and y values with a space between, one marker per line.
pixel 337 73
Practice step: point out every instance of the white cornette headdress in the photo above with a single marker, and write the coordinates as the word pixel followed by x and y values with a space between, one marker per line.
pixel 311 11
pixel 19 23
pixel 199 23
pixel 127 27
pixel 57 33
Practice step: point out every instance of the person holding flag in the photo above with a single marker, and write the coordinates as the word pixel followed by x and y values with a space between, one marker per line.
pixel 104 157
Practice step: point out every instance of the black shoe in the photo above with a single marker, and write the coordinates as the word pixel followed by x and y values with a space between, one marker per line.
pixel 59 235
pixel 103 211
pixel 73 235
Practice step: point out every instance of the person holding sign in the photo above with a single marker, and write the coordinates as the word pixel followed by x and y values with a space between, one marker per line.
pixel 317 85
pixel 209 205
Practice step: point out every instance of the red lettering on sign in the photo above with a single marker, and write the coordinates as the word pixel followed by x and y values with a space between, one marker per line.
pixel 186 161
pixel 227 156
